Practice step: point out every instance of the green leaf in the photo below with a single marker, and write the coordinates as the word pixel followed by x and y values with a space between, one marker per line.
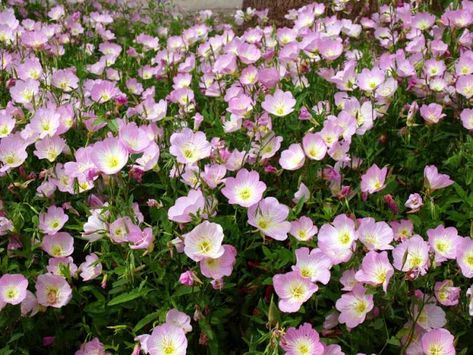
pixel 127 297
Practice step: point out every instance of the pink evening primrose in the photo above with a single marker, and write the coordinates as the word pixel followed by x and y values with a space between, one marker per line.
pixel 167 339
pixel 375 269
pixel 269 216
pixel 245 189
pixel 434 179
pixel 53 291
pixel 204 241
pixel 337 239
pixel 219 267
pixel 13 288
pixel 373 180
pixel 313 264
pixel 53 220
pixel 354 306
pixel 293 290
pixel 302 340
pixel 109 155
pixel 280 104
pixel 189 147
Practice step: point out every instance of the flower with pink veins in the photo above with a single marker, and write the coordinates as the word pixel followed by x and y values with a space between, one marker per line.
pixel 280 104
pixel 465 256
pixel 91 268
pixel 245 189
pixel 434 179
pixel 438 342
pixel 13 288
pixel 354 306
pixel 368 80
pixel 302 340
pixel 167 339
pixel 314 146
pixel 270 218
pixel 53 291
pixel 292 158
pixel 189 147
pixel 293 290
pixel 49 148
pixel 179 319
pixel 204 241
pixel 375 269
pixel 446 294
pixel 313 264
pixel 412 255
pixel 12 152
pixel 53 220
pixel 109 155
pixel 374 179
pixel 58 245
pixel 444 242
pixel 303 229
pixel 432 113
pixel 187 206
pixel 337 239
pixel 219 267
pixel 375 235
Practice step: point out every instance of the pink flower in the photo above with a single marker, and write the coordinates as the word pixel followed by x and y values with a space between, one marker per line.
pixel 465 256
pixel 179 319
pixel 412 255
pixel 103 91
pixel 414 202
pixel 221 266
pixel 464 86
pixel 354 306
pixel 269 216
pixel 49 148
pixel 109 155
pixel 186 278
pixel 245 189
pixel 375 269
pixel 302 340
pixel 280 104
pixel 213 175
pixel 65 79
pixel 435 180
pixel 189 147
pixel 292 158
pixel 91 347
pixel 438 341
pixel 374 235
pixel 12 152
pixel 444 242
pixel 466 117
pixel 13 288
pixel 369 80
pixel 53 220
pixel 303 229
pixel 53 291
pixel 204 241
pixel 373 180
pixel 91 268
pixel 58 245
pixel 293 290
pixel 336 240
pixel 313 264
pixel 314 146
pixel 135 139
pixel 45 122
pixel 446 293
pixel 432 113
pixel 187 206
pixel 167 339
pixel 25 92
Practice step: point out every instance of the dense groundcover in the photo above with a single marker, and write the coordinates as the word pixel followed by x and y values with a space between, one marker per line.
pixel 212 185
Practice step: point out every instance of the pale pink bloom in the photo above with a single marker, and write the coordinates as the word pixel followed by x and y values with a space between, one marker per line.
pixel 293 290
pixel 245 189
pixel 29 306
pixel 204 241
pixel 167 339
pixel 330 49
pixel 375 235
pixel 62 266
pixel 402 229
pixel 438 342
pixel 430 317
pixel 65 79
pixel 422 21
pixel 270 217
pixel 189 147
pixel 179 319
pixel 30 69
pixel 412 255
pixel 109 155
pixel 414 202
pixel 221 266
pixel 301 193
pixel 49 148
pixel 53 291
pixel 369 80
pixel 187 206
pixel 186 278
pixel 248 53
pixel 469 293
pixel 134 138
pixel 91 268
pixel 313 264
pixel 303 229
pixel 25 92
pixel 150 157
pixel 94 347
pixel 337 239
pixel 45 122
pixel 314 146
pixel 302 340
pixel 444 242
pixel 466 117
pixel 12 152
pixel 374 179
pixel 431 113
pixel 375 269
pixel 434 180
pixel 13 288
pixel 7 123
pixel 354 306
pixel 465 256
pixel 151 110
pixel 6 226
pixel 96 226
pixel 464 85
pixel 103 91
pixel 213 175
pixel 292 158
pixel 53 220
pixel 141 239
pixel 446 294
pixel 280 104
pixel 58 245
pixel 120 229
